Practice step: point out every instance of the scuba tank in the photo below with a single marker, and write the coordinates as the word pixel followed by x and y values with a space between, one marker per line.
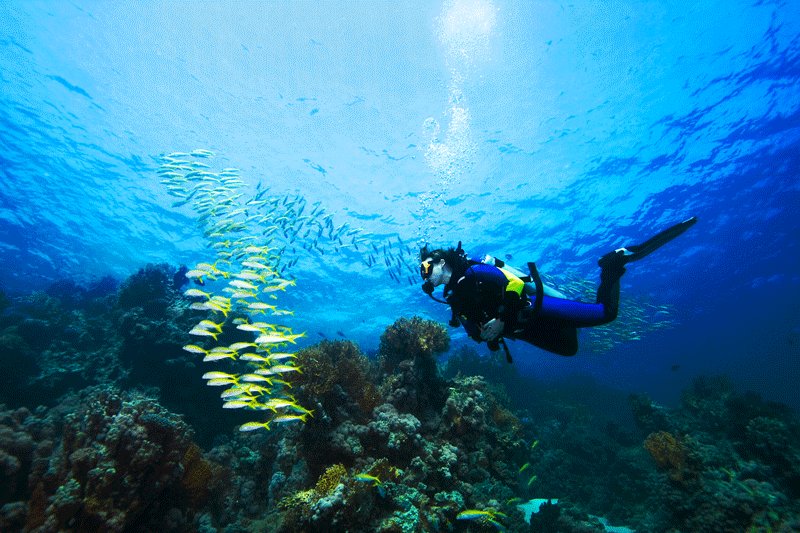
pixel 530 286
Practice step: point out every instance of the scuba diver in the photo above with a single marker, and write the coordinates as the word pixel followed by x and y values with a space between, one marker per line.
pixel 494 301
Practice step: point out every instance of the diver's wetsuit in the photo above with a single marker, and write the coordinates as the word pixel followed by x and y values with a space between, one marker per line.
pixel 482 294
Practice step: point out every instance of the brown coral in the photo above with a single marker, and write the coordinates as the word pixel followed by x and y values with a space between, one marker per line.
pixel 668 452
pixel 414 338
pixel 198 473
pixel 331 363
pixel 330 479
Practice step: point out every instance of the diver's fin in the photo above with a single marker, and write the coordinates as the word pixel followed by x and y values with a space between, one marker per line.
pixel 628 254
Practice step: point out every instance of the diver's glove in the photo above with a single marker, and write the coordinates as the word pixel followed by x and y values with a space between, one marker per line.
pixel 492 329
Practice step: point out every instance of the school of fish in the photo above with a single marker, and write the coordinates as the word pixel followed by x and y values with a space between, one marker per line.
pixel 238 288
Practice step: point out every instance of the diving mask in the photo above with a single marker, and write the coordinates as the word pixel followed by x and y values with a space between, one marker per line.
pixel 426 268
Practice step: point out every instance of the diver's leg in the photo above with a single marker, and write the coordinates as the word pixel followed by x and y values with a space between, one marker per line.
pixel 612 269
pixel 551 336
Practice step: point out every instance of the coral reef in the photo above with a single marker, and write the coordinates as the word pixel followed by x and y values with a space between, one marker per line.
pixel 407 359
pixel 105 461
pixel 395 443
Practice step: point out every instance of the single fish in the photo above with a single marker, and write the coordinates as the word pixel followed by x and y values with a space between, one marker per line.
pixel 236 346
pixel 475 514
pixel 250 327
pixel 279 356
pixel 200 332
pixel 250 276
pixel 208 324
pixel 272 339
pixel 217 374
pixel 237 404
pixel 217 382
pixel 254 357
pixel 255 378
pixel 193 348
pixel 197 293
pixel 240 284
pixel 282 369
pixel 280 419
pixel 218 356
pixel 252 426
pixel 367 478
pixel 260 306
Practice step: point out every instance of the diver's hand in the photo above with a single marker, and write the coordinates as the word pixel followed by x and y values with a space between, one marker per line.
pixel 492 329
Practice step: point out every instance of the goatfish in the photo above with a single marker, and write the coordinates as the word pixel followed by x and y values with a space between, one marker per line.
pixel 245 390
pixel 276 338
pixel 260 306
pixel 199 275
pixel 236 346
pixel 218 382
pixel 281 286
pixel 257 249
pixel 217 374
pixel 193 348
pixel 256 378
pixel 532 479
pixel 524 467
pixel 203 333
pixel 208 324
pixel 280 419
pixel 251 327
pixel 252 426
pixel 251 276
pixel 216 356
pixel 197 293
pixel 279 403
pixel 255 357
pixel 242 294
pixel 282 355
pixel 240 284
pixel 215 306
pixel 281 369
pixel 239 404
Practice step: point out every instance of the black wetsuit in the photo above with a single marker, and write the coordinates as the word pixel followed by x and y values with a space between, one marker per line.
pixel 481 294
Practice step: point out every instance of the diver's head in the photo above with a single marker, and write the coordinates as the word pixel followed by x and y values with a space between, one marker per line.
pixel 438 266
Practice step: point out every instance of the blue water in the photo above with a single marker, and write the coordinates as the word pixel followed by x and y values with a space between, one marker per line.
pixel 541 131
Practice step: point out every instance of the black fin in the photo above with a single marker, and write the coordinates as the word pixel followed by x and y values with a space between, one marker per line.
pixel 628 254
